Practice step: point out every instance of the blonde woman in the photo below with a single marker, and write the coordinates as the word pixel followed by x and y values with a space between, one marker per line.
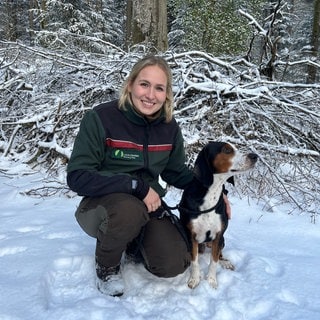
pixel 121 150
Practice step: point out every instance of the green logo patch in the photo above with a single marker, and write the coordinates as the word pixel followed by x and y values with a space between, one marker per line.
pixel 118 153
pixel 126 154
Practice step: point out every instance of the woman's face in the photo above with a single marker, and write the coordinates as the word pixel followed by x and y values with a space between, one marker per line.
pixel 149 90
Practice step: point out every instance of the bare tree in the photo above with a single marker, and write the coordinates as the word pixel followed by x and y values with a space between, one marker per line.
pixel 147 23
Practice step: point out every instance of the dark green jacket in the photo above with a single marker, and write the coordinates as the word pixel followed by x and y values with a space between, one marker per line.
pixel 121 151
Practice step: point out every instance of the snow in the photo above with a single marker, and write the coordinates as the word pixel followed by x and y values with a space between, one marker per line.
pixel 47 266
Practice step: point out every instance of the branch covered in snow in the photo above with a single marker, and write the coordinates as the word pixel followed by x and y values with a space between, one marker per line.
pixel 45 93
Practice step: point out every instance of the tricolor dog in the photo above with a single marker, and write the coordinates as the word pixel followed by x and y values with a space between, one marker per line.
pixel 202 207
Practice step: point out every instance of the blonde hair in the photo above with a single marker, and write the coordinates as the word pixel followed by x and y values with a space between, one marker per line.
pixel 150 60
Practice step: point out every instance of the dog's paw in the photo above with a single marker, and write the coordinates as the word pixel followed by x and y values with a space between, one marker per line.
pixel 213 282
pixel 193 282
pixel 226 264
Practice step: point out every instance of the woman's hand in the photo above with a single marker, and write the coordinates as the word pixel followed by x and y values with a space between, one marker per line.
pixel 228 207
pixel 152 200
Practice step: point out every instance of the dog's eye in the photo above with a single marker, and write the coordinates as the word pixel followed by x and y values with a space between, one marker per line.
pixel 227 150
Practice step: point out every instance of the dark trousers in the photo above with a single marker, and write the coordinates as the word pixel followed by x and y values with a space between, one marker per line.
pixel 117 219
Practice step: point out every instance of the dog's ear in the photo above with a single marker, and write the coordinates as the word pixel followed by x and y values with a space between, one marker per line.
pixel 203 170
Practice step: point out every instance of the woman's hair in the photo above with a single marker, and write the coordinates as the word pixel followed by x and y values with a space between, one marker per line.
pixel 150 60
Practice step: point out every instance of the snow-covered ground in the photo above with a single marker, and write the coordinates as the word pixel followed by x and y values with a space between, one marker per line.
pixel 47 267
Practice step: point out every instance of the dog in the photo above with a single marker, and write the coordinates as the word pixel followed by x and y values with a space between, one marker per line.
pixel 202 207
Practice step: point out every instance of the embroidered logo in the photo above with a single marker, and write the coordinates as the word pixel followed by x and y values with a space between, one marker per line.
pixel 118 154
pixel 126 154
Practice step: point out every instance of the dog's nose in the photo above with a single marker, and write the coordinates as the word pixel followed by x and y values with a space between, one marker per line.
pixel 253 157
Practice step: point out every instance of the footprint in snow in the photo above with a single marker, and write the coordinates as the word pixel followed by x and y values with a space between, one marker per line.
pixel 272 267
pixel 69 279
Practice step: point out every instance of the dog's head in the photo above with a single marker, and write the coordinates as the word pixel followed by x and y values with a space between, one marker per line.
pixel 222 158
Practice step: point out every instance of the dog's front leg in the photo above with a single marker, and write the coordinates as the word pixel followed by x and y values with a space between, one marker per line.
pixel 212 274
pixel 215 254
pixel 194 279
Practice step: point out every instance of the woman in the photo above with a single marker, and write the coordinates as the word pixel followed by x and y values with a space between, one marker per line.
pixel 121 150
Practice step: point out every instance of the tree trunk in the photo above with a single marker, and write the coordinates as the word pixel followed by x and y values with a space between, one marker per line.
pixel 312 70
pixel 12 20
pixel 147 24
pixel 44 21
pixel 32 6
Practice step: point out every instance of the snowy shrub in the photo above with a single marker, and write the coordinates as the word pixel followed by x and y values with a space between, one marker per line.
pixel 44 94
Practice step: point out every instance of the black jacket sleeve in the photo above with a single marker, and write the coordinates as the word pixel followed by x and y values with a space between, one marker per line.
pixel 92 184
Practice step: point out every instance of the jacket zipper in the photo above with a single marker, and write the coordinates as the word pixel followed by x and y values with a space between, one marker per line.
pixel 145 147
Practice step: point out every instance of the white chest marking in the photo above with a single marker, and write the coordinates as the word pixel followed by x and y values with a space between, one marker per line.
pixel 204 223
pixel 210 221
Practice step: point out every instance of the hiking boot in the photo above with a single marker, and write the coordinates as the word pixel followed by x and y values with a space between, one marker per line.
pixel 109 280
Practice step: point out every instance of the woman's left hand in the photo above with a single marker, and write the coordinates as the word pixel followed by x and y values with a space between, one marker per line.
pixel 152 200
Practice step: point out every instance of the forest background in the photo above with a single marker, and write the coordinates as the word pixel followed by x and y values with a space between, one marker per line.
pixel 244 71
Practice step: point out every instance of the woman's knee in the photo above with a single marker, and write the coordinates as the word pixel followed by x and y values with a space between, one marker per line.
pixel 168 268
pixel 164 249
pixel 89 215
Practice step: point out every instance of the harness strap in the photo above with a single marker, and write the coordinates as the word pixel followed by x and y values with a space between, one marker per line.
pixel 178 207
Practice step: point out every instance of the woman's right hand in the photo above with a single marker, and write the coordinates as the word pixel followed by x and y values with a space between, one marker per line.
pixel 152 200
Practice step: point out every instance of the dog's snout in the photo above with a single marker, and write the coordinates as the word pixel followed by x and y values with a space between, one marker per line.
pixel 253 157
